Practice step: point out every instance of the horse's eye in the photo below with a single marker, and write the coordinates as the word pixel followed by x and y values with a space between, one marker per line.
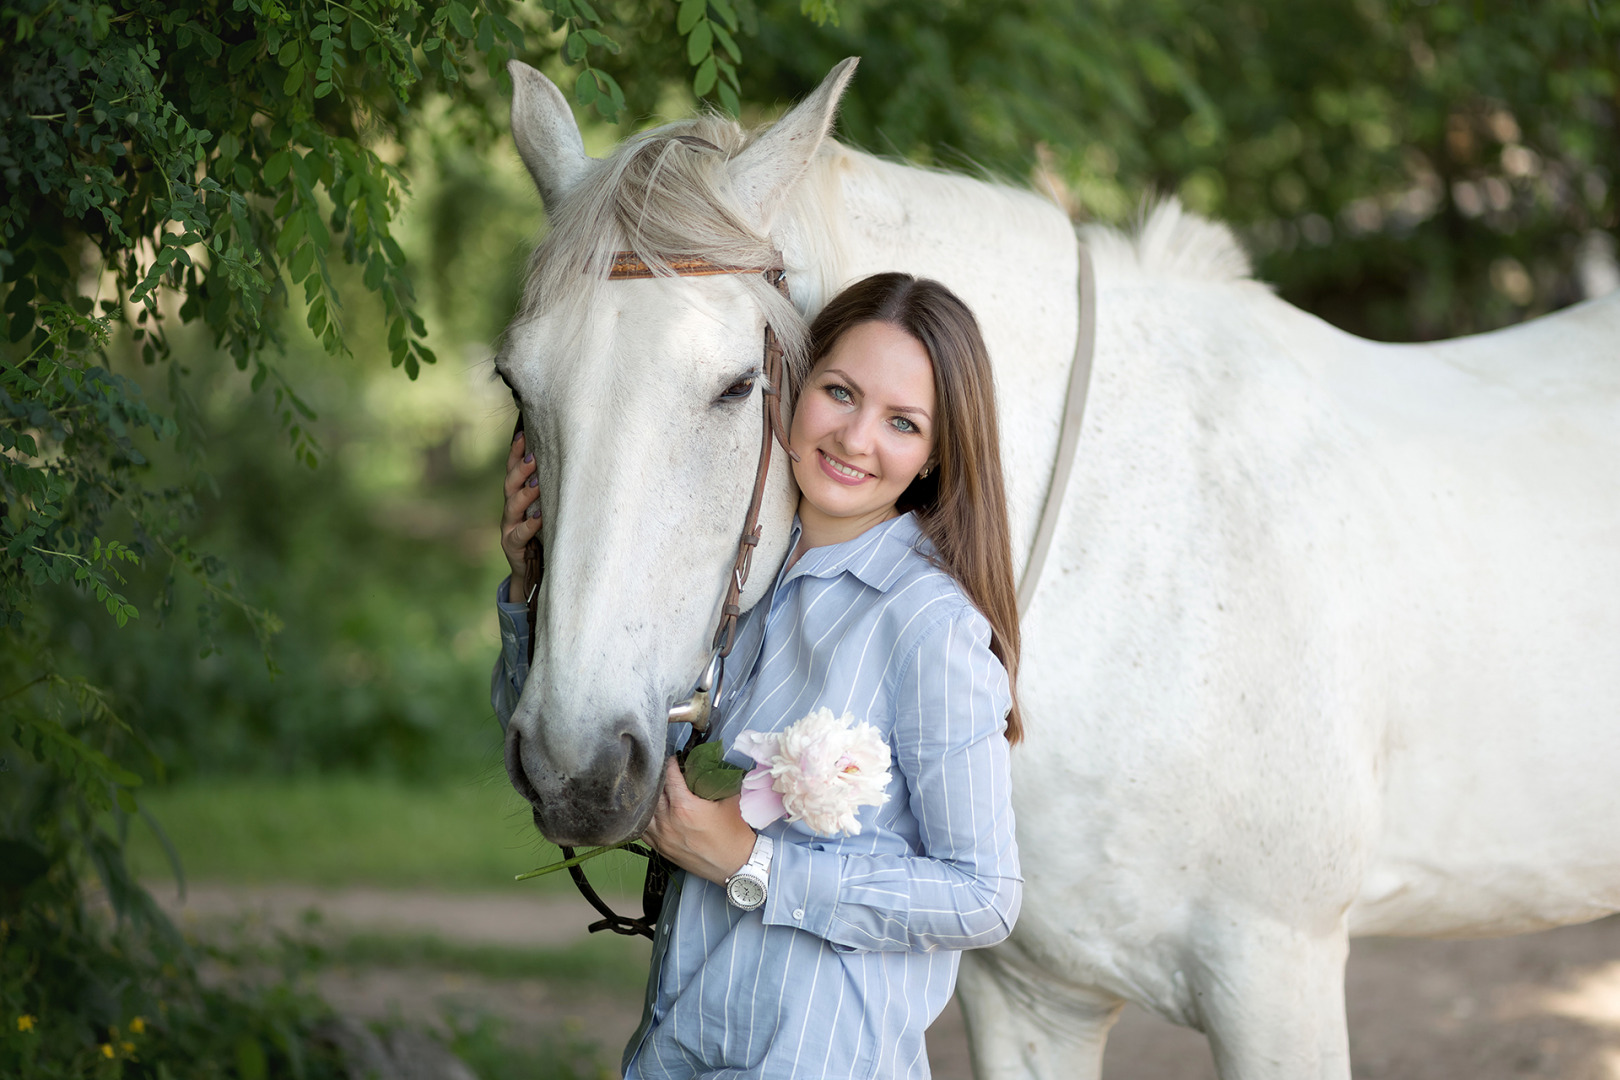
pixel 738 390
pixel 509 385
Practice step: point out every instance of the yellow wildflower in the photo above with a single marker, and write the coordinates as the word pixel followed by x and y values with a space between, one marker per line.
pixel 25 1022
pixel 127 1047
pixel 138 1026
pixel 106 1050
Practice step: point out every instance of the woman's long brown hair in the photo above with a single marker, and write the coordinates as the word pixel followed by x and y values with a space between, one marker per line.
pixel 961 505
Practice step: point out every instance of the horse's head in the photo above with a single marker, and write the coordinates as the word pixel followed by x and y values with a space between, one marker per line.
pixel 642 401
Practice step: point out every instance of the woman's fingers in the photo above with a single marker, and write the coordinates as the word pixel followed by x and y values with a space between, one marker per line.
pixel 519 471
pixel 520 505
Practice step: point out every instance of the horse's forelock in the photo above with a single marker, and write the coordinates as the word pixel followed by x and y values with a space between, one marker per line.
pixel 664 193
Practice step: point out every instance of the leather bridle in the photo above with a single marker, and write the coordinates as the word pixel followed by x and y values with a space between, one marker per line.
pixel 699 707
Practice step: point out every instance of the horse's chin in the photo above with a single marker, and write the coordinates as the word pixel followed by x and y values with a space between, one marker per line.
pixel 609 800
pixel 568 830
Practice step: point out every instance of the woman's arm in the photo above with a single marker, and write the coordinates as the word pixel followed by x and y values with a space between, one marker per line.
pixel 520 520
pixel 963 891
pixel 512 662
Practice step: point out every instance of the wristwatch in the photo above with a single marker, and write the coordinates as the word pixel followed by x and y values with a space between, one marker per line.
pixel 746 888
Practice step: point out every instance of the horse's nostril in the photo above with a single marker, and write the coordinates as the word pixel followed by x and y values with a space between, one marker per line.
pixel 635 754
pixel 514 768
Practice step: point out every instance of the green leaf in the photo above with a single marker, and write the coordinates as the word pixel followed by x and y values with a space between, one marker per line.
pixel 728 43
pixel 585 88
pixel 462 19
pixel 303 259
pixel 728 99
pixel 700 44
pixel 709 775
pixel 613 90
pixel 291 233
pixel 703 81
pixel 277 167
pixel 692 11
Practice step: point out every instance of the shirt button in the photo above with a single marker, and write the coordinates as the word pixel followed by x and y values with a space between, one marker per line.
pixel 798 913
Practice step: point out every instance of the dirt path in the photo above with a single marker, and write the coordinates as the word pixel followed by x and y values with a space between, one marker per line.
pixel 1544 1005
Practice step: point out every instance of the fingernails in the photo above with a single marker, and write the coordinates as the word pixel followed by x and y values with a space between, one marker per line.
pixel 528 459
pixel 534 481
pixel 533 511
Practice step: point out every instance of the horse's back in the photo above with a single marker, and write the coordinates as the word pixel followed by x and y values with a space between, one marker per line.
pixel 1375 583
pixel 1472 505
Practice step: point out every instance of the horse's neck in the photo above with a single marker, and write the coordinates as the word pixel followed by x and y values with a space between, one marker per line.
pixel 1011 255
pixel 857 215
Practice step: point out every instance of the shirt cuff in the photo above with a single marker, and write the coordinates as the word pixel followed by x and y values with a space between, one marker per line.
pixel 513 618
pixel 804 886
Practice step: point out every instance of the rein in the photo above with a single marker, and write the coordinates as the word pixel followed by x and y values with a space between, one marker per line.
pixel 697 709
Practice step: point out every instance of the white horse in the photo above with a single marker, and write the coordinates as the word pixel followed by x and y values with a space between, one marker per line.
pixel 1328 643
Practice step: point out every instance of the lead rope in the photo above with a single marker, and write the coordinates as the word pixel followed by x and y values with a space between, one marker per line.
pixel 627 265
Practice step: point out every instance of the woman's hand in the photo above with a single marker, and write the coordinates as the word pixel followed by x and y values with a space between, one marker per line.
pixel 520 519
pixel 709 839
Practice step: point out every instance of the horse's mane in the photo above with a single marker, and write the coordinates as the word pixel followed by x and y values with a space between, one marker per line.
pixel 1168 241
pixel 667 192
pixel 663 193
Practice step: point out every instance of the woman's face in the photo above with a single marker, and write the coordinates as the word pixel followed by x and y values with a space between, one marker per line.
pixel 863 428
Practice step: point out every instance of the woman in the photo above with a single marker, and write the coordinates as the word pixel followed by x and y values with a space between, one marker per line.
pixel 788 954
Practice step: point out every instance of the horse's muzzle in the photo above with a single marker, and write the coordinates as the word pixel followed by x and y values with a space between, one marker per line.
pixel 607 800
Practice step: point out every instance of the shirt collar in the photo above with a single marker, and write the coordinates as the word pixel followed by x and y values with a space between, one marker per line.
pixel 877 557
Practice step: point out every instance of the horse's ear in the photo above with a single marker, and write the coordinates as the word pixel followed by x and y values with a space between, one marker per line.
pixel 763 174
pixel 546 133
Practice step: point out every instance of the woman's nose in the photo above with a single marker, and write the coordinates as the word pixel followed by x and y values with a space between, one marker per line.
pixel 859 432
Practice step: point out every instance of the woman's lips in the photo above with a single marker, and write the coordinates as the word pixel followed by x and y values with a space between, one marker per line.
pixel 836 469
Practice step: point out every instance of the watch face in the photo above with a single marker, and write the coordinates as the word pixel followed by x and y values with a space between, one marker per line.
pixel 746 892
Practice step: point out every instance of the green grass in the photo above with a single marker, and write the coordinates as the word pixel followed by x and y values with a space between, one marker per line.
pixel 356 830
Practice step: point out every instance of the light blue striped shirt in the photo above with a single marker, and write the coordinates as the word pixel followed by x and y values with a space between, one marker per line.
pixel 855 951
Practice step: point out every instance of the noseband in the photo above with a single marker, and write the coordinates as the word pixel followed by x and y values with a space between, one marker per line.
pixel 699 707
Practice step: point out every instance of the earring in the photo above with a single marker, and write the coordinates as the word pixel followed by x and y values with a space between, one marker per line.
pixel 925 471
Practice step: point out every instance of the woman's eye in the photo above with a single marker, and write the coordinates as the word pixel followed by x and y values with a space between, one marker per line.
pixel 737 390
pixel 901 424
pixel 839 393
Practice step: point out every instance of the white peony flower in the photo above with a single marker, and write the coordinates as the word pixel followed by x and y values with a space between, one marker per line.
pixel 819 770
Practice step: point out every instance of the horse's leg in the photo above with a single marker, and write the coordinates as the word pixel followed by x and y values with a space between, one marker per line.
pixel 1271 1000
pixel 1025 1025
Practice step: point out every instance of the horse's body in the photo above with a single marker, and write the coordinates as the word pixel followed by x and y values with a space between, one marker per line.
pixel 1327 642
